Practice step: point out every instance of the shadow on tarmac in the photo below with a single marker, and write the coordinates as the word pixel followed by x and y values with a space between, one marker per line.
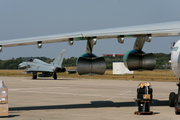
pixel 93 104
pixel 52 79
pixel 10 116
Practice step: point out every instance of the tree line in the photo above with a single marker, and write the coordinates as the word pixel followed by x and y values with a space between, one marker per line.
pixel 161 59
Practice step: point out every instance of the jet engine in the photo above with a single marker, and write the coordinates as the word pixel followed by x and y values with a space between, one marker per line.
pixel 57 69
pixel 138 60
pixel 90 64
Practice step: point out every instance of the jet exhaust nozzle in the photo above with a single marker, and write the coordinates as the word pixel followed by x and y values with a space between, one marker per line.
pixel 91 65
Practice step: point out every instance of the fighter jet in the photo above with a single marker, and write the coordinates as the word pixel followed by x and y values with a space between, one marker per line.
pixel 48 70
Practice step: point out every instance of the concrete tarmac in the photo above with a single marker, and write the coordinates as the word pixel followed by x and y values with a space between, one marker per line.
pixel 83 99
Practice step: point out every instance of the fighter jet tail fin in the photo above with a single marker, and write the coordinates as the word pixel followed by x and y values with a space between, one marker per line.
pixel 59 59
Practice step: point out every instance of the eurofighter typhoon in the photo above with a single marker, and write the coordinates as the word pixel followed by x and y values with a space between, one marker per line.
pixel 48 70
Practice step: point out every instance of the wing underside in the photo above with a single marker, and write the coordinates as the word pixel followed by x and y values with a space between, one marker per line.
pixel 153 30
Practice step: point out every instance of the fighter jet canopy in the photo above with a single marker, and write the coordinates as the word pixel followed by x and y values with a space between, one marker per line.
pixel 29 60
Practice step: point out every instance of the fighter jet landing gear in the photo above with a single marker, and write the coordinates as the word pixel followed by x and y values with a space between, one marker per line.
pixel 174 100
pixel 34 75
pixel 55 76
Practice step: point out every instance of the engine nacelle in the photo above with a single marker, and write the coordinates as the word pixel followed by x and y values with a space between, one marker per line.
pixel 57 69
pixel 138 60
pixel 89 64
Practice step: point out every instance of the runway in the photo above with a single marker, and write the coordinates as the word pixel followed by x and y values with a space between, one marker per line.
pixel 83 99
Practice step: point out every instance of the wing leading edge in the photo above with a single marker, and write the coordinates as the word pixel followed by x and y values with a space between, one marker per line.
pixel 154 30
pixel 37 70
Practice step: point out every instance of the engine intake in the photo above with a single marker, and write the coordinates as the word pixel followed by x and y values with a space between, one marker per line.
pixel 138 60
pixel 91 65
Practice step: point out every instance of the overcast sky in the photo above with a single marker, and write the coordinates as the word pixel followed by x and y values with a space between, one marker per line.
pixel 31 18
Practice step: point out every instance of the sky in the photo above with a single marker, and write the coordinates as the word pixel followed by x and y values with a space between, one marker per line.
pixel 33 18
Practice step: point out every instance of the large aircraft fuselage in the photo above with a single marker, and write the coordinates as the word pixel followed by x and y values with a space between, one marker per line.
pixel 175 58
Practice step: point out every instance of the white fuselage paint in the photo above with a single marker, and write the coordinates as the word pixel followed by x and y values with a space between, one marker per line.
pixel 38 66
pixel 175 58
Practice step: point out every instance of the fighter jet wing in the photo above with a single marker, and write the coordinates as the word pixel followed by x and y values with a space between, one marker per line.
pixel 71 71
pixel 36 70
pixel 152 30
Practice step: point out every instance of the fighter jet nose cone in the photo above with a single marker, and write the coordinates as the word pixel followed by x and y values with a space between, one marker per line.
pixel 19 65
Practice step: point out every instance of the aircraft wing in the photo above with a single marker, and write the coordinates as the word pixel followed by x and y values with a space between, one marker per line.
pixel 153 30
pixel 71 71
pixel 37 70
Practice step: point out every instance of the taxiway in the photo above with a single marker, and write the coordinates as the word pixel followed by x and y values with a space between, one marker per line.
pixel 83 99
